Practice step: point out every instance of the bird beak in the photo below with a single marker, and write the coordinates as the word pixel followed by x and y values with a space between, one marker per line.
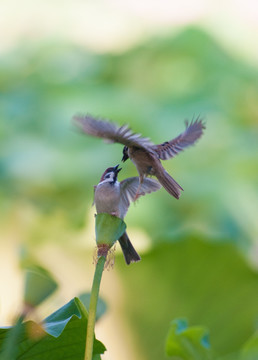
pixel 116 169
pixel 125 154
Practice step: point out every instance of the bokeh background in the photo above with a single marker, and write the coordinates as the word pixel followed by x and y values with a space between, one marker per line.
pixel 151 65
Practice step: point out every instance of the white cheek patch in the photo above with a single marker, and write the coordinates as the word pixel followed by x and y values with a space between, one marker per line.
pixel 105 181
pixel 109 179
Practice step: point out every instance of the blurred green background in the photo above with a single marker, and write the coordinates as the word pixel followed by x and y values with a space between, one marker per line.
pixel 199 254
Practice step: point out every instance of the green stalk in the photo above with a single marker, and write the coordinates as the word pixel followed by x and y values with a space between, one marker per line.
pixel 108 229
pixel 10 345
pixel 93 307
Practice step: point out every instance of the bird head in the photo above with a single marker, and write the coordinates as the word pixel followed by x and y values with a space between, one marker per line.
pixel 110 174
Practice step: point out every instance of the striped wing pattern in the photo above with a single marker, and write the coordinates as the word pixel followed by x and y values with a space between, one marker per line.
pixel 171 148
pixel 111 132
pixel 129 189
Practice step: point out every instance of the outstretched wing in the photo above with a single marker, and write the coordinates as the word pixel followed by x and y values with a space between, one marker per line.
pixel 171 148
pixel 110 131
pixel 129 189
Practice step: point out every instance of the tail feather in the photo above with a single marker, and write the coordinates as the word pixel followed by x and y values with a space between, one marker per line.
pixel 130 254
pixel 169 184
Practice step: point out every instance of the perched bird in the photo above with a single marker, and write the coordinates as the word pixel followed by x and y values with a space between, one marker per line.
pixel 114 197
pixel 144 154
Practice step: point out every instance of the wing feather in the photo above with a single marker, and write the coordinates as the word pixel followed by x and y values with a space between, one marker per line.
pixel 171 148
pixel 110 131
pixel 129 189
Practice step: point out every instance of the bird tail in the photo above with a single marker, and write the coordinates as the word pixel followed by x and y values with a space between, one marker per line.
pixel 129 251
pixel 169 184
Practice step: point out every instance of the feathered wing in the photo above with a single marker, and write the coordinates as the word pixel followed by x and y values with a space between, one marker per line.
pixel 129 189
pixel 110 131
pixel 171 148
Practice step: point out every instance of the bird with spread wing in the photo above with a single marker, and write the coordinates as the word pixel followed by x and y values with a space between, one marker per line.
pixel 143 153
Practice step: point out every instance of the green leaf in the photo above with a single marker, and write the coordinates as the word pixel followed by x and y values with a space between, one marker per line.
pixel 187 343
pixel 101 306
pixel 60 336
pixel 250 349
pixel 9 351
pixel 208 283
pixel 39 285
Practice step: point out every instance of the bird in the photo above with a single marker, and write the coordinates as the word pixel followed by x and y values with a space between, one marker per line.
pixel 114 197
pixel 145 155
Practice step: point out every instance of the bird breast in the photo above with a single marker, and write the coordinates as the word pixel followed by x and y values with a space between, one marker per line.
pixel 107 198
pixel 144 161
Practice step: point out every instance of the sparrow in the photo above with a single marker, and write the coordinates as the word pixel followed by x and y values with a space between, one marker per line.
pixel 114 197
pixel 143 153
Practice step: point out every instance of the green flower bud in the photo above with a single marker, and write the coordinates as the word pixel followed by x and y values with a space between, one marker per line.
pixel 108 229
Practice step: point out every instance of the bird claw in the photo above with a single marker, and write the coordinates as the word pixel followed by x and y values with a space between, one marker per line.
pixel 136 197
pixel 138 193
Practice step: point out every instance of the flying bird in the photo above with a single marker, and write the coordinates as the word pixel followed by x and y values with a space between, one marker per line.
pixel 144 154
pixel 114 197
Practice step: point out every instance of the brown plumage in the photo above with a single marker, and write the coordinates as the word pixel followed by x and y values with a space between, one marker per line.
pixel 144 154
